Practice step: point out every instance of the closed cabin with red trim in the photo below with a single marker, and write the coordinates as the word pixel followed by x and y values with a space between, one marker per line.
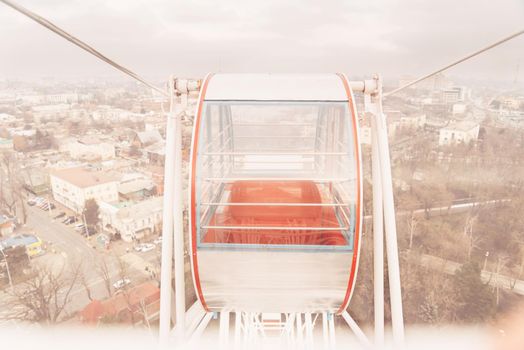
pixel 275 193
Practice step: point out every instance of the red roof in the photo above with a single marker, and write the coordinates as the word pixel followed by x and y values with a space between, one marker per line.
pixel 148 293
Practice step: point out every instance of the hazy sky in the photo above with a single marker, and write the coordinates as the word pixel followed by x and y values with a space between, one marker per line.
pixel 156 38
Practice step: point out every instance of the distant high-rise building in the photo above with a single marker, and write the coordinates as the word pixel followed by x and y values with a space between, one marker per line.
pixel 453 95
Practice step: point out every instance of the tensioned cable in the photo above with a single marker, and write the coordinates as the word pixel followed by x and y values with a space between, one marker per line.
pixel 121 68
pixel 44 22
pixel 454 63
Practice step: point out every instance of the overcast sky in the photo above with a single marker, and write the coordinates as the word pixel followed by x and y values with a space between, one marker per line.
pixel 156 38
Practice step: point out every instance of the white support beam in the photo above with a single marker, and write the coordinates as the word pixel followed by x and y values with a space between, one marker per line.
pixel 224 330
pixel 194 316
pixel 172 215
pixel 300 332
pixel 397 318
pixel 325 330
pixel 178 243
pixel 331 326
pixel 356 329
pixel 308 322
pixel 167 229
pixel 238 329
pixel 378 238
pixel 195 337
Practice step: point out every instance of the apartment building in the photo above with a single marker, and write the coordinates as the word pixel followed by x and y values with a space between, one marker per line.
pixel 73 186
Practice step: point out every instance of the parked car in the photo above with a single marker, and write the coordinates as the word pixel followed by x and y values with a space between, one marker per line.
pixel 50 206
pixel 69 220
pixel 46 205
pixel 144 247
pixel 121 283
pixel 31 201
pixel 158 240
pixel 79 227
pixel 60 215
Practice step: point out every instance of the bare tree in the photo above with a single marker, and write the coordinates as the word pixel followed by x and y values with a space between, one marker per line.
pixel 125 291
pixel 11 187
pixel 103 270
pixel 84 282
pixel 7 184
pixel 44 297
pixel 473 240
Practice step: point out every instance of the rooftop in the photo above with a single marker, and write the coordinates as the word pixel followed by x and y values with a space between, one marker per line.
pixel 141 209
pixel 136 185
pixel 18 240
pixel 82 177
pixel 147 293
pixel 158 148
pixel 149 137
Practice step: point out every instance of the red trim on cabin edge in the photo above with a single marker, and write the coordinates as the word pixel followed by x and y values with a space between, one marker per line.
pixel 356 242
pixel 193 195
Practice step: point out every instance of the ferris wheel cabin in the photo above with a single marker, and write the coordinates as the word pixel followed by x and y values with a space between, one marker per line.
pixel 275 193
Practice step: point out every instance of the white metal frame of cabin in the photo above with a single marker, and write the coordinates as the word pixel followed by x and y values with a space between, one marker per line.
pixel 293 329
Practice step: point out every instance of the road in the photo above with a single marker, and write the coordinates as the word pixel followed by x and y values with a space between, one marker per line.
pixel 65 248
pixel 494 279
pixel 446 210
pixel 72 248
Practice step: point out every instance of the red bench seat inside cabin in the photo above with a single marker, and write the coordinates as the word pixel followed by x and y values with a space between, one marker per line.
pixel 275 215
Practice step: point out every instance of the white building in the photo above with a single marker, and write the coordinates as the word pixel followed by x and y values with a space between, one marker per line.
pixel 89 147
pixel 458 132
pixel 105 113
pixel 73 186
pixel 133 220
pixel 62 98
pixel 51 111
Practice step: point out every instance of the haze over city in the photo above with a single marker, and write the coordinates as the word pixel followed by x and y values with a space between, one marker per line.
pixel 157 38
